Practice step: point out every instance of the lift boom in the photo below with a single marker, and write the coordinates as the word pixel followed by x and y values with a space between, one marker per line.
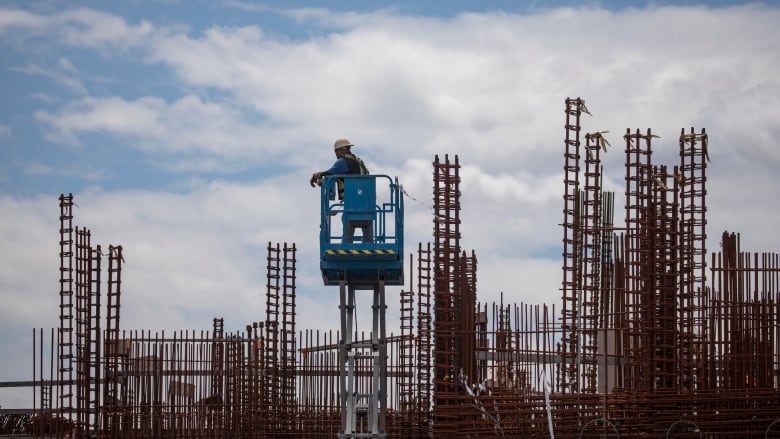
pixel 369 264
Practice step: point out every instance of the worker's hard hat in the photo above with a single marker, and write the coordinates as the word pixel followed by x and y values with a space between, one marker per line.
pixel 341 143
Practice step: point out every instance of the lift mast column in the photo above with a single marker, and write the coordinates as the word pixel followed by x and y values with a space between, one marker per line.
pixel 372 263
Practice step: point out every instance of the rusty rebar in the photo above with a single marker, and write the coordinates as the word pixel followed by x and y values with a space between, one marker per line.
pixel 645 344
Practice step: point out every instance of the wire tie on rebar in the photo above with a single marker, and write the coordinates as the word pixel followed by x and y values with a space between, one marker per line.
pixel 581 106
pixel 600 134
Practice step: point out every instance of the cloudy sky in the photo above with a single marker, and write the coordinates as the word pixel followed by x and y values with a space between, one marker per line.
pixel 187 132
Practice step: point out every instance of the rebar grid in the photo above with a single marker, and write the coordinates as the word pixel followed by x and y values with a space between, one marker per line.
pixel 745 326
pixel 642 345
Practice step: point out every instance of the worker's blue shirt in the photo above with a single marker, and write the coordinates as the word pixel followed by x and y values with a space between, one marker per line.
pixel 339 168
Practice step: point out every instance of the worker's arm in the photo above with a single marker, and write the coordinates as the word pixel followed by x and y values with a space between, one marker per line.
pixel 340 167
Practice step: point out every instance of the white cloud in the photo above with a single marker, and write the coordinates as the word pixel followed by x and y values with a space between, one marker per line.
pixel 81 27
pixel 91 28
pixel 64 77
pixel 186 126
pixel 30 254
pixel 14 19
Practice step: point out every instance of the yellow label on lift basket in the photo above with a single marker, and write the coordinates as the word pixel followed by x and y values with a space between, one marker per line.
pixel 359 252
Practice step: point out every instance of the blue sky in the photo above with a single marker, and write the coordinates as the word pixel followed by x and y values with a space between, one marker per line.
pixel 187 132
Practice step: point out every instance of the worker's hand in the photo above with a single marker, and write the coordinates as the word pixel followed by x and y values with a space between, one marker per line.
pixel 315 179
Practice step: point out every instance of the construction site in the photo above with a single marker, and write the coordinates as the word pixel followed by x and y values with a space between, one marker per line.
pixel 653 337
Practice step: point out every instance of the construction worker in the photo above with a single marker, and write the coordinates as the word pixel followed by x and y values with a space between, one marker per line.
pixel 346 163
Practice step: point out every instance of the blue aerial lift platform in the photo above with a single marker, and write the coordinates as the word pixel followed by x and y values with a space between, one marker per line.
pixel 372 201
pixel 372 198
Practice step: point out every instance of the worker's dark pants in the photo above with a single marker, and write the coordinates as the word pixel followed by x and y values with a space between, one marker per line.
pixel 366 226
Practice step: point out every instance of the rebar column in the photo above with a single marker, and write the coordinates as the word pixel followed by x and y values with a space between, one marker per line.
pixel 116 351
pixel 468 294
pixel 447 362
pixel 571 276
pixel 505 371
pixel 406 382
pixel 663 237
pixel 619 307
pixel 611 310
pixel 272 336
pixel 424 336
pixel 217 372
pixel 82 320
pixel 287 333
pixel 637 252
pixel 95 338
pixel 87 319
pixel 65 339
pixel 590 260
pixel 692 178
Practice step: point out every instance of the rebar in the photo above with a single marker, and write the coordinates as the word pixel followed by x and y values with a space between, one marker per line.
pixel 65 333
pixel 571 275
pixel 645 342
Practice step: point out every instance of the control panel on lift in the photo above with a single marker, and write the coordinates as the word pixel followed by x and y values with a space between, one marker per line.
pixel 361 233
